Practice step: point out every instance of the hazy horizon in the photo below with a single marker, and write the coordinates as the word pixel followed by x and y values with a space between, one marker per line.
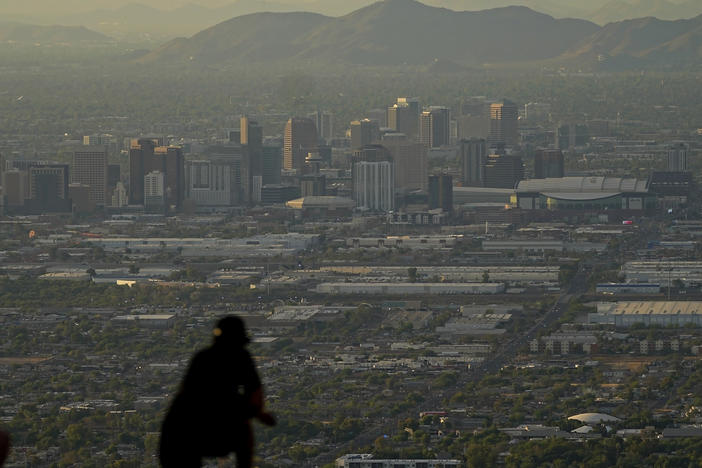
pixel 156 21
pixel 68 7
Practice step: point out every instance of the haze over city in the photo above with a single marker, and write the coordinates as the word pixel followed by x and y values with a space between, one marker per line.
pixel 452 233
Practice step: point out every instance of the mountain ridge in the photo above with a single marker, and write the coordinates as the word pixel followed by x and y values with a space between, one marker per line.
pixel 11 31
pixel 646 41
pixel 386 32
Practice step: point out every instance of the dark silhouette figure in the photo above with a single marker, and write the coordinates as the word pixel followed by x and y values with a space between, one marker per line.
pixel 220 394
pixel 4 446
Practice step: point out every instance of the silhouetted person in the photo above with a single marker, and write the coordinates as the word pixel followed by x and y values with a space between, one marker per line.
pixel 4 446
pixel 220 394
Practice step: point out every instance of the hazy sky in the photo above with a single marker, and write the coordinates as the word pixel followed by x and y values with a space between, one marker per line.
pixel 66 7
pixel 62 9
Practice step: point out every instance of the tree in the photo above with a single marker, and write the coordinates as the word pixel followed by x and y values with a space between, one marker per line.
pixel 486 276
pixel 412 274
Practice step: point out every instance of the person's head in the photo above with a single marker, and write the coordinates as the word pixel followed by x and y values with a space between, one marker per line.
pixel 231 331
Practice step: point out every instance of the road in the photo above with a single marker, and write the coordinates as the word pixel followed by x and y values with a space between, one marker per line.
pixel 507 352
pixel 504 355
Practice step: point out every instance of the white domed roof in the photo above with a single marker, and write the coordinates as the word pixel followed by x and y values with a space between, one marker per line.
pixel 593 418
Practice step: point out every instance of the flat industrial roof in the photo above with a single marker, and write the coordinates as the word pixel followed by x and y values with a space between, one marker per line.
pixel 654 308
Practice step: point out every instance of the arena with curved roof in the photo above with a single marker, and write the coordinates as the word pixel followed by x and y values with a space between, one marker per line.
pixel 582 193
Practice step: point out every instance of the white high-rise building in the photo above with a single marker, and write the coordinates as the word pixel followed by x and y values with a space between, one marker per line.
pixel 119 196
pixel 208 183
pixel 374 185
pixel 154 191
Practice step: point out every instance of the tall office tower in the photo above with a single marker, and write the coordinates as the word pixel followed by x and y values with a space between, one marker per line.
pixel 324 121
pixel 379 115
pixel 548 163
pixel 48 189
pixel 145 157
pixel 272 164
pixel 364 132
pixel 435 127
pixel 209 183
pixel 250 132
pixel 504 123
pixel 235 136
pixel 48 181
pixel 441 192
pixel 15 187
pixel 252 139
pixel 373 176
pixel 300 138
pixel 412 103
pixel 411 166
pixel 114 175
pixel 677 158
pixel 503 171
pixel 235 158
pixel 90 168
pixel 155 192
pixel 140 154
pixel 474 118
pixel 403 117
pixel 169 160
pixel 473 156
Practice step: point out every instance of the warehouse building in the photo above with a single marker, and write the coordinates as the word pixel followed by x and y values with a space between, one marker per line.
pixel 663 272
pixel 662 313
pixel 366 460
pixel 410 288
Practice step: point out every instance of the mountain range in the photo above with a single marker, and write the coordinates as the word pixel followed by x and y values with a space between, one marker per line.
pixel 394 32
pixel 158 20
pixel 619 10
pixel 643 41
pixel 387 32
pixel 28 33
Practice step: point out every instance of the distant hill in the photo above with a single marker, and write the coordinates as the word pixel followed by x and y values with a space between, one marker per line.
pixel 160 20
pixel 643 41
pixel 136 20
pixel 387 32
pixel 18 32
pixel 619 10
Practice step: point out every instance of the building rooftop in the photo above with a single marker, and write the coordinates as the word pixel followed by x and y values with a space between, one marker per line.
pixel 593 418
pixel 320 202
pixel 611 185
pixel 651 307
